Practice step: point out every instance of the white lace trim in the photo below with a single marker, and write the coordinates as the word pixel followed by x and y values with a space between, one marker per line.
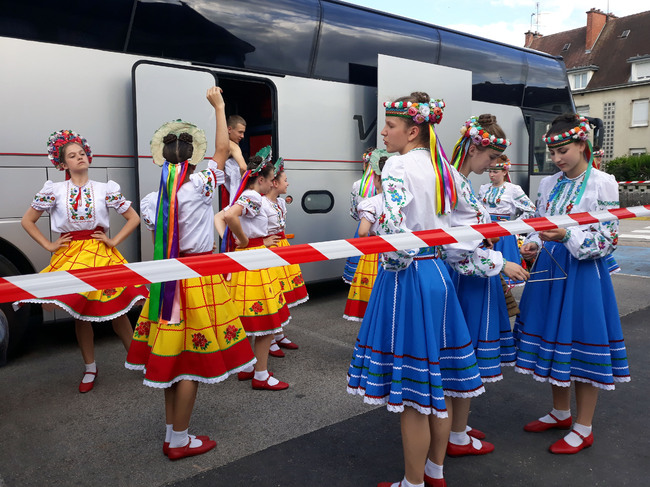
pixel 77 316
pixel 213 380
pixel 300 301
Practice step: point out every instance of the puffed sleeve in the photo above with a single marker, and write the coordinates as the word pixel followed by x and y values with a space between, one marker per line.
pixel 44 200
pixel 395 197
pixel 205 182
pixel 251 202
pixel 115 199
pixel 367 209
pixel 522 203
pixel 599 239
pixel 148 210
pixel 354 200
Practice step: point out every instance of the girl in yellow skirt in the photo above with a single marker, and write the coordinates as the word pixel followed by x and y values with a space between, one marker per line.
pixel 369 211
pixel 257 294
pixel 291 280
pixel 79 212
pixel 189 330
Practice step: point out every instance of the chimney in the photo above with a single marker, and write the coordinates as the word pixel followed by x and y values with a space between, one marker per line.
pixel 596 20
pixel 530 37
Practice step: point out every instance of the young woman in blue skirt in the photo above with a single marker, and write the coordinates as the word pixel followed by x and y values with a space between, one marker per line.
pixel 569 330
pixel 413 350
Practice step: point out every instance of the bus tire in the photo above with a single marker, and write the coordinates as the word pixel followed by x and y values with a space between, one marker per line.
pixel 18 322
pixel 4 338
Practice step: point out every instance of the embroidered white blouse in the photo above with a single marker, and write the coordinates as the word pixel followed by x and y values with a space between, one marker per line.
pixel 355 198
pixel 232 175
pixel 506 202
pixel 470 258
pixel 557 195
pixel 254 222
pixel 73 208
pixel 409 202
pixel 195 211
pixel 276 214
pixel 370 209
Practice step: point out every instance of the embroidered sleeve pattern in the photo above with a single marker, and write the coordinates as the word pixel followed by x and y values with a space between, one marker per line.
pixel 523 204
pixel 115 199
pixel 395 198
pixel 251 206
pixel 478 262
pixel 353 205
pixel 44 200
pixel 206 181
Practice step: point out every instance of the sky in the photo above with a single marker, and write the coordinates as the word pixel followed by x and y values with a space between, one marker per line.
pixel 504 20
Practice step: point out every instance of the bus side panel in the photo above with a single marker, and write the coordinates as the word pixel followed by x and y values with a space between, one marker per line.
pixel 321 141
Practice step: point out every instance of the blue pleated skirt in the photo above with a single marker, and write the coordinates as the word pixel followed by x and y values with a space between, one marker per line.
pixel 413 347
pixel 486 313
pixel 569 329
pixel 510 249
pixel 351 263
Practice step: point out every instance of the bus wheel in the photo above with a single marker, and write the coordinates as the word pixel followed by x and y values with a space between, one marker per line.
pixel 17 321
pixel 4 338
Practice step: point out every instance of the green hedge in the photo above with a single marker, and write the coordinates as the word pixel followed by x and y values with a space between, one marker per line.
pixel 630 168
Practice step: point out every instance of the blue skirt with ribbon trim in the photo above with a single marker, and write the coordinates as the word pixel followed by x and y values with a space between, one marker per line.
pixel 351 262
pixel 413 347
pixel 569 329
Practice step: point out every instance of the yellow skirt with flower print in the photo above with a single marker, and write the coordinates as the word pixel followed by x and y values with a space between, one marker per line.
pixel 291 281
pixel 208 345
pixel 259 300
pixel 361 287
pixel 101 305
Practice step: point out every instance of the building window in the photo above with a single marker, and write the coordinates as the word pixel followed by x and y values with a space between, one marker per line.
pixel 609 111
pixel 580 81
pixel 583 110
pixel 640 113
pixel 640 71
pixel 638 151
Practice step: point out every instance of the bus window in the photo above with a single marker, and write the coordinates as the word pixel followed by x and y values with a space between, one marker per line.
pixel 351 39
pixel 498 72
pixel 546 85
pixel 275 36
pixel 317 201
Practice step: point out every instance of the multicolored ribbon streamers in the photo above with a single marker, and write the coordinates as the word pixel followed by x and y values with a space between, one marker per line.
pixel 446 195
pixel 460 152
pixel 367 187
pixel 589 154
pixel 166 238
pixel 228 240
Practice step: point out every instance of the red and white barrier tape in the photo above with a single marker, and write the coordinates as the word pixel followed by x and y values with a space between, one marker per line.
pixel 634 182
pixel 13 288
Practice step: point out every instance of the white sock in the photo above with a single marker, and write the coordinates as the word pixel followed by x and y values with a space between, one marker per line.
pixel 558 413
pixel 178 439
pixel 279 337
pixel 573 439
pixel 433 470
pixel 248 369
pixel 461 438
pixel 406 483
pixel 274 346
pixel 168 432
pixel 263 375
pixel 89 377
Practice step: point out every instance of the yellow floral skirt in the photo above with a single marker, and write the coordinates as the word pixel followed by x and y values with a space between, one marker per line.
pixel 361 287
pixel 291 281
pixel 102 305
pixel 259 300
pixel 208 345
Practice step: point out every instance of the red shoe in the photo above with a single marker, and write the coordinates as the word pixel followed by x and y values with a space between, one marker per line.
pixel 87 386
pixel 186 451
pixel 166 443
pixel 479 435
pixel 463 450
pixel 387 484
pixel 289 345
pixel 276 353
pixel 561 447
pixel 264 385
pixel 430 482
pixel 538 426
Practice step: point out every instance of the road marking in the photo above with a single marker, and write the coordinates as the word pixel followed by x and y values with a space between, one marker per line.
pixel 630 275
pixel 640 231
pixel 633 236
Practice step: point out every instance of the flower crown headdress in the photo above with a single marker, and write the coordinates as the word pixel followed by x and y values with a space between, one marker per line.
pixel 431 113
pixel 473 133
pixel 578 133
pixel 419 112
pixel 501 164
pixel 599 153
pixel 61 138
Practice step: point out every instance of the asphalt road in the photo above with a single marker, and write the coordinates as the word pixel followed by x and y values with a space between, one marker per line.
pixel 312 434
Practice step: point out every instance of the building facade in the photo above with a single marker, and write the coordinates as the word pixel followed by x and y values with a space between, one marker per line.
pixel 608 65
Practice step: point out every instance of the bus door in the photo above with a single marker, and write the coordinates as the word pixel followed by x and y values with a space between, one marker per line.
pixel 399 77
pixel 161 93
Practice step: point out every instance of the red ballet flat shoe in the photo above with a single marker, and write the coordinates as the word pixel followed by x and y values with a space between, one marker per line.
pixel 166 443
pixel 276 353
pixel 264 385
pixel 387 484
pixel 463 450
pixel 289 345
pixel 431 482
pixel 561 447
pixel 187 451
pixel 479 435
pixel 538 426
pixel 87 386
